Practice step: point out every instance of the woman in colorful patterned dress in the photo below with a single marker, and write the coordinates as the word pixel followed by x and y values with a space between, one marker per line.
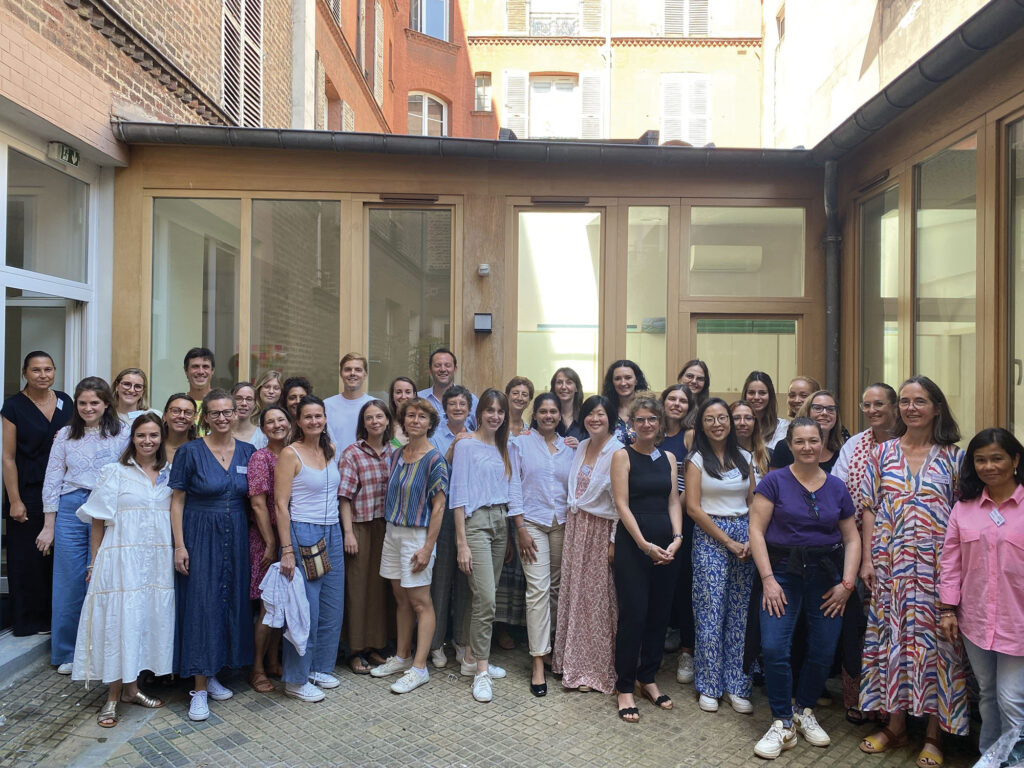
pixel 910 486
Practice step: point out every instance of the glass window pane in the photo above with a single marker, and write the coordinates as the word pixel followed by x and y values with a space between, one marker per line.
pixel 733 347
pixel 296 250
pixel 1016 282
pixel 435 117
pixel 647 290
pixel 746 251
pixel 196 247
pixel 434 23
pixel 47 219
pixel 559 326
pixel 945 267
pixel 410 292
pixel 35 321
pixel 416 115
pixel 879 259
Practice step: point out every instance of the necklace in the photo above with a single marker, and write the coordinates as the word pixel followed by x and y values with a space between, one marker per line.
pixel 225 454
pixel 40 403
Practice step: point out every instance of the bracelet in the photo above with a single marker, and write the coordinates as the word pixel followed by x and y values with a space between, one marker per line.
pixel 847 584
pixel 947 612
pixel 520 527
pixel 650 549
pixel 767 575
pixel 678 536
pixel 88 567
pixel 177 548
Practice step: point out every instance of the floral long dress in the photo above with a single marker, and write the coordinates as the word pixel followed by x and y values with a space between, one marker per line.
pixel 906 665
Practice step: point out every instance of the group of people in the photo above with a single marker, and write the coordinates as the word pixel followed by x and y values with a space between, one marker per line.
pixel 186 541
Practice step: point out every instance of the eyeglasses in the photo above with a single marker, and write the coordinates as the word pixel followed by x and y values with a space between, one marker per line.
pixel 245 399
pixel 823 409
pixel 187 412
pixel 918 402
pixel 812 505
pixel 877 405
pixel 132 387
pixel 646 419
pixel 694 378
pixel 723 419
pixel 225 414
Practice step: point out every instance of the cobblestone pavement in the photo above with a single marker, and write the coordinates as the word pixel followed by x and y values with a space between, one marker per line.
pixel 51 721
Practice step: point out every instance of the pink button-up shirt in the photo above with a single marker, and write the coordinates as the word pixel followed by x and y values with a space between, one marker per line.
pixel 981 570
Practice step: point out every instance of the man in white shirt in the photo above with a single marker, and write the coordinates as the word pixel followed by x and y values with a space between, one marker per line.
pixel 343 409
pixel 443 366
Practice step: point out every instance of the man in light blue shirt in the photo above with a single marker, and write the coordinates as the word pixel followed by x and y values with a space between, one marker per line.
pixel 443 366
pixel 343 409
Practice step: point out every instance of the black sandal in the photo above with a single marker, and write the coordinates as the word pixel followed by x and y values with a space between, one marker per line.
pixel 662 702
pixel 627 712
pixel 857 717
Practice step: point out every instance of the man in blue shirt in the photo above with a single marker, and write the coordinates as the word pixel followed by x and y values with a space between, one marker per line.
pixel 443 366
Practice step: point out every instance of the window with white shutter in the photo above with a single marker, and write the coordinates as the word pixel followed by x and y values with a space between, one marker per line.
pixel 378 52
pixel 686 108
pixel 242 60
pixel 592 17
pixel 515 17
pixel 361 37
pixel 516 113
pixel 591 87
pixel 348 117
pixel 554 108
pixel 690 18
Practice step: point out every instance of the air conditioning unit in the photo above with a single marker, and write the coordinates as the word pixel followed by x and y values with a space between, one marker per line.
pixel 725 258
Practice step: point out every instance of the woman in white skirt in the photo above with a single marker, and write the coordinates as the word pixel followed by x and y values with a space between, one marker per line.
pixel 127 620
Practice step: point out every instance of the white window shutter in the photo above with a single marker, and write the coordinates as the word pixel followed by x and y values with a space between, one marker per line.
pixel 361 42
pixel 590 112
pixel 348 117
pixel 698 18
pixel 675 17
pixel 378 52
pixel 698 110
pixel 516 116
pixel 592 17
pixel 515 17
pixel 232 59
pixel 252 63
pixel 671 107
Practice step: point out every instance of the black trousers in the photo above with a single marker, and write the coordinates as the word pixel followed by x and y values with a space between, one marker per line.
pixel 682 603
pixel 644 592
pixel 29 574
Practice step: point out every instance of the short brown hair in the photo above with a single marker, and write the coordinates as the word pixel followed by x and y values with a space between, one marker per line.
pixel 420 404
pixel 348 358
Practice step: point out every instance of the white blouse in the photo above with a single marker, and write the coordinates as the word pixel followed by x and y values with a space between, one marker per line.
pixel 75 464
pixel 545 477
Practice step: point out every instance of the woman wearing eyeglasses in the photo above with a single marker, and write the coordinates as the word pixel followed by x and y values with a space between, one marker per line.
pixel 131 394
pixel 246 427
pixel 821 408
pixel 694 374
pixel 807 551
pixel 209 514
pixel 179 422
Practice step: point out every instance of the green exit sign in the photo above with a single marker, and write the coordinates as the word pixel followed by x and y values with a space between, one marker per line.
pixel 62 153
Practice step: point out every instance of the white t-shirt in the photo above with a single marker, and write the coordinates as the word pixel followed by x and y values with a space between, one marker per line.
pixel 343 419
pixel 781 428
pixel 725 497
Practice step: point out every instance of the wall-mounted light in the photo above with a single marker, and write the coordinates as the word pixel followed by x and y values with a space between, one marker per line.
pixel 482 322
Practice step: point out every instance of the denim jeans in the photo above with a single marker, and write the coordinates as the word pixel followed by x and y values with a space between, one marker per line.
pixel 326 598
pixel 801 590
pixel 1001 691
pixel 70 557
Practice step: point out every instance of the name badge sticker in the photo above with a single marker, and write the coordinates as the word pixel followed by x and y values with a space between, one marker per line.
pixel 655 454
pixel 997 518
pixel 242 470
pixel 60 404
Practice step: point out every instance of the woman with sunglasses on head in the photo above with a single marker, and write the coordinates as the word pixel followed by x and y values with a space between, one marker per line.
pixel 127 622
pixel 909 489
pixel 209 520
pixel 821 408
pixel 981 574
pixel 94 438
pixel 179 423
pixel 276 426
pixel 759 391
pixel 568 388
pixel 31 419
pixel 719 489
pixel 807 551
pixel 131 394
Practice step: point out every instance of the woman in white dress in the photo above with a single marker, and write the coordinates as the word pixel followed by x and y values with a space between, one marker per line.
pixel 127 620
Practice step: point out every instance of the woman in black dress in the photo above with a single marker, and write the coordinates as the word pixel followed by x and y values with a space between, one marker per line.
pixel 31 418
pixel 649 532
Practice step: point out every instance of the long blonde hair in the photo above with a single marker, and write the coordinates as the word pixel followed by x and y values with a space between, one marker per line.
pixel 759 451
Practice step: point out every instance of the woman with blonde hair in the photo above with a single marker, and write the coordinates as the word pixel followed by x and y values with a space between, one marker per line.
pixel 749 437
pixel 822 408
pixel 268 390
pixel 131 394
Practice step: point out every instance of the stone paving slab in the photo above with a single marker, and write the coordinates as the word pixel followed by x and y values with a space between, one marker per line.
pixel 51 722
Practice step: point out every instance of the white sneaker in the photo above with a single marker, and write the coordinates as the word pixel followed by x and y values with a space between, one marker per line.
pixel 324 680
pixel 468 669
pixel 410 681
pixel 806 724
pixel 304 692
pixel 65 668
pixel 392 666
pixel 482 687
pixel 776 739
pixel 439 658
pixel 217 691
pixel 707 703
pixel 684 672
pixel 199 709
pixel 460 652
pixel 738 703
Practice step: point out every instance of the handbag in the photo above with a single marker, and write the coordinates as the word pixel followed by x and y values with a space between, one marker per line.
pixel 315 562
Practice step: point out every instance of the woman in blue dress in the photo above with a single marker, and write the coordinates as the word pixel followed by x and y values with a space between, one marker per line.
pixel 209 513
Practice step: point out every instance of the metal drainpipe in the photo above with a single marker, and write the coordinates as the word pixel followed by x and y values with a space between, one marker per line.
pixel 833 245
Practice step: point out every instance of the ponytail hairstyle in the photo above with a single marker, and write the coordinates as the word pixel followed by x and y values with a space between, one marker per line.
pixel 491 397
pixel 538 401
pixel 324 441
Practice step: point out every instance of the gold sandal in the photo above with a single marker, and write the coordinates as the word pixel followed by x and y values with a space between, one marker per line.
pixel 108 717
pixel 143 700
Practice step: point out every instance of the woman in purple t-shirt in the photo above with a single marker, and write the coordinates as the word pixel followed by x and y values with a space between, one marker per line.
pixel 807 550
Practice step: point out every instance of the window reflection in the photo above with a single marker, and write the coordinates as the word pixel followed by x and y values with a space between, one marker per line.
pixel 879 264
pixel 1015 140
pixel 647 290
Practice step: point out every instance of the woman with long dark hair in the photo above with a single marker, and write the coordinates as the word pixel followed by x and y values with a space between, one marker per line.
pixel 179 423
pixel 759 391
pixel 622 381
pixel 94 438
pixel 31 419
pixel 823 409
pixel 695 375
pixel 980 577
pixel 567 387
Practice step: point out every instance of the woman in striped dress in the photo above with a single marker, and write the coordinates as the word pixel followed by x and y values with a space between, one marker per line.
pixel 909 488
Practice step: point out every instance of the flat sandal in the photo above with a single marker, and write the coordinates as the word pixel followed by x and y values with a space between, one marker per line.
pixel 108 717
pixel 143 700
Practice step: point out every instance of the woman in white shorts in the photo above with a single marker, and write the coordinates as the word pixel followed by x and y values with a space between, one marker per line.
pixel 414 509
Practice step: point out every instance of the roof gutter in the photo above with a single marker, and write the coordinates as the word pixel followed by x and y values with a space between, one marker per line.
pixel 445 147
pixel 991 25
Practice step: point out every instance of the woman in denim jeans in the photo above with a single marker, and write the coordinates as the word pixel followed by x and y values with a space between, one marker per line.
pixel 807 550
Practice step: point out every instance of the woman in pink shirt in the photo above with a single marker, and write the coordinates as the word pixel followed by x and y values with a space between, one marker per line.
pixel 981 582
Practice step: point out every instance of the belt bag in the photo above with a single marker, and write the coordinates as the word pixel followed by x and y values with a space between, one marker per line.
pixel 315 562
